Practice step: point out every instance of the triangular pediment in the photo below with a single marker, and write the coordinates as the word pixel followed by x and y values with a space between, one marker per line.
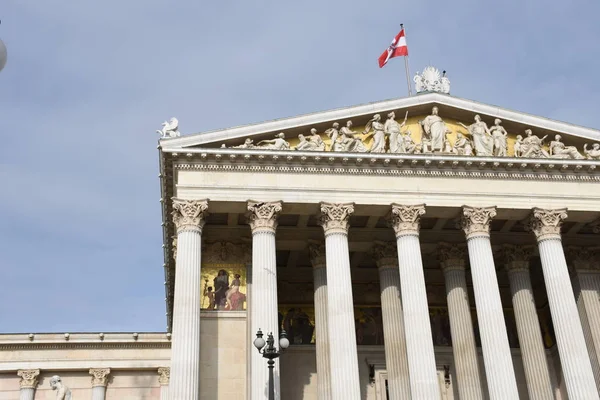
pixel 454 111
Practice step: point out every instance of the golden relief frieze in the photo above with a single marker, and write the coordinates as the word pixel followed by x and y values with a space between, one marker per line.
pixel 428 134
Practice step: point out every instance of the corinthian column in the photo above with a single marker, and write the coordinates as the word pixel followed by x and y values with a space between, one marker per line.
pixel 317 258
pixel 494 339
pixel 262 218
pixel 189 218
pixel 164 374
pixel 452 257
pixel 396 361
pixel 343 357
pixel 574 359
pixel 419 343
pixel 528 326
pixel 586 284
pixel 99 382
pixel 28 383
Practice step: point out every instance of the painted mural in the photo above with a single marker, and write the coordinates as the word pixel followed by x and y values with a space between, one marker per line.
pixel 223 289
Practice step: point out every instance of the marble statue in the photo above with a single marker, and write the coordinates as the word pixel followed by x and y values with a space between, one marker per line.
pixel 169 129
pixel 448 149
pixel 430 80
pixel 518 146
pixel 333 133
pixel 463 146
pixel 62 392
pixel 532 146
pixel 409 144
pixel 559 150
pixel 248 144
pixel 393 130
pixel 378 134
pixel 279 143
pixel 434 132
pixel 312 143
pixel 593 153
pixel 348 141
pixel 481 136
pixel 499 136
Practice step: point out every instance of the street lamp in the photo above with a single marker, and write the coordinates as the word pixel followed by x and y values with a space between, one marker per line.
pixel 268 350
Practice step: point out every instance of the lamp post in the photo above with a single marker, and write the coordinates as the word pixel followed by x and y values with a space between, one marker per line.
pixel 268 350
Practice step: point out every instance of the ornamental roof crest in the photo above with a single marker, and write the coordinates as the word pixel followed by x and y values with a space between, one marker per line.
pixel 431 80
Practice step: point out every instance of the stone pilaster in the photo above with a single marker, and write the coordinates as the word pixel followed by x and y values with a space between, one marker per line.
pixel 99 382
pixel 586 285
pixel 497 358
pixel 164 375
pixel 537 375
pixel 318 260
pixel 574 359
pixel 386 257
pixel 262 218
pixel 343 356
pixel 189 218
pixel 28 383
pixel 452 261
pixel 405 219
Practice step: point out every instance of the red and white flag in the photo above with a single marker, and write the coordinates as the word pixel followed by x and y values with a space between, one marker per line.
pixel 397 48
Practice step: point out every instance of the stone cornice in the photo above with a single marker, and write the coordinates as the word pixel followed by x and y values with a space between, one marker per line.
pixel 84 341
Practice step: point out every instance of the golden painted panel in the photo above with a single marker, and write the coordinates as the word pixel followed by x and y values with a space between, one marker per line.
pixel 224 288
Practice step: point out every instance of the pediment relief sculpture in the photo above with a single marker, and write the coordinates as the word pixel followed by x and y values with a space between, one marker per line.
pixel 432 135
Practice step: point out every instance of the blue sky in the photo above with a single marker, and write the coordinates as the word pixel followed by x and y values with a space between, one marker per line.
pixel 87 84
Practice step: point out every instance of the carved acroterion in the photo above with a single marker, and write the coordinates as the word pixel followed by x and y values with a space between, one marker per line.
pixel 406 219
pixel 334 217
pixel 170 129
pixel 262 216
pixel 475 221
pixel 189 215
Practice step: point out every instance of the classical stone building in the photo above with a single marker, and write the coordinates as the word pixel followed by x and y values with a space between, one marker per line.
pixel 448 254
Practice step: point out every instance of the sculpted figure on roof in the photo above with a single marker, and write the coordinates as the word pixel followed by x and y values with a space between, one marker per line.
pixel 434 132
pixel 593 153
pixel 378 134
pixel 559 150
pixel 169 129
pixel 348 141
pixel 463 146
pixel 333 133
pixel 393 130
pixel 482 138
pixel 531 146
pixel 311 143
pixel 279 143
pixel 499 135
pixel 248 144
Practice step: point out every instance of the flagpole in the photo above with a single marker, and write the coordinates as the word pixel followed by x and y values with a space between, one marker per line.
pixel 406 67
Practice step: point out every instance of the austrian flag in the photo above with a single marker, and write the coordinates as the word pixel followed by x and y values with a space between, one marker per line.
pixel 397 48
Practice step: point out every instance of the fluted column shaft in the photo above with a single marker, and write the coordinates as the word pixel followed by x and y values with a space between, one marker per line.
pixel 343 355
pixel 28 383
pixel 317 252
pixel 461 325
pixel 574 359
pixel 535 363
pixel 497 357
pixel 164 374
pixel 419 343
pixel 586 285
pixel 98 392
pixel 262 217
pixel 189 219
pixel 396 360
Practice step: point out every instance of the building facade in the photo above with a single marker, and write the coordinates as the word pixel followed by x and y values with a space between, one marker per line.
pixel 426 247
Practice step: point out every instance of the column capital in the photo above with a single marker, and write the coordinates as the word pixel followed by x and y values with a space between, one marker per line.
pixel 262 215
pixel 406 219
pixel 452 256
pixel 334 217
pixel 29 378
pixel 475 221
pixel 595 225
pixel 386 255
pixel 99 376
pixel 546 224
pixel 517 257
pixel 164 375
pixel 316 251
pixel 189 215
pixel 584 259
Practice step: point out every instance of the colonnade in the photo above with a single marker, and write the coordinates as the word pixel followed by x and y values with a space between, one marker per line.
pixel 408 340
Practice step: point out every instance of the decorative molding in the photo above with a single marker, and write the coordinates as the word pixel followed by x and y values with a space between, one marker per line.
pixel 334 217
pixel 517 257
pixel 475 221
pixel 406 219
pixel 164 376
pixel 316 251
pixel 90 346
pixel 546 224
pixel 99 376
pixel 224 253
pixel 29 378
pixel 189 215
pixel 262 216
pixel 385 254
pixel 452 256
